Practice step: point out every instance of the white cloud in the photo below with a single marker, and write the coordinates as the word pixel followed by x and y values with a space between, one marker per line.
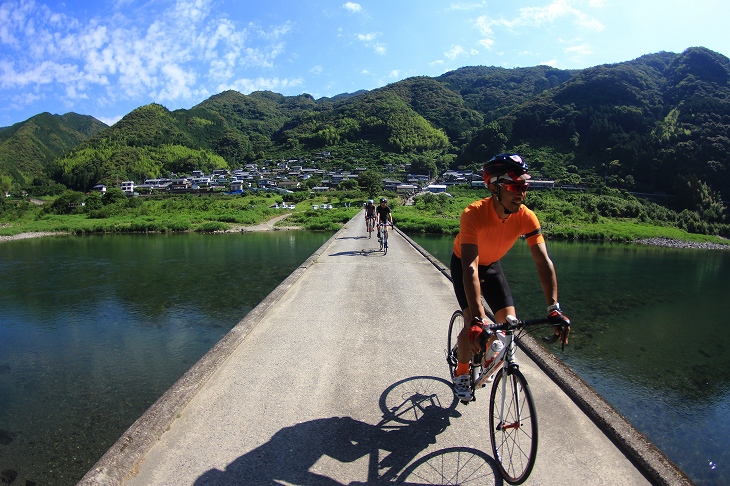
pixel 245 85
pixel 352 7
pixel 465 6
pixel 131 59
pixel 486 43
pixel 583 50
pixel 316 70
pixel 108 121
pixel 367 37
pixel 455 52
pixel 484 25
pixel 71 94
pixel 536 16
pixel 394 73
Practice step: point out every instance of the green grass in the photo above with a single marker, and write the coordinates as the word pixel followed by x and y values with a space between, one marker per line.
pixel 567 217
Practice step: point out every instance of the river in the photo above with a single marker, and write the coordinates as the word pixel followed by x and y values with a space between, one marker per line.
pixel 94 329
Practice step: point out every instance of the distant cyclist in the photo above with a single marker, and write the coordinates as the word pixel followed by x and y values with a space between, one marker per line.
pixel 384 216
pixel 369 213
pixel 487 230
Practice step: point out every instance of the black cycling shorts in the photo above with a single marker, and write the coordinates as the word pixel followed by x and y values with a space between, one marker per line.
pixel 492 281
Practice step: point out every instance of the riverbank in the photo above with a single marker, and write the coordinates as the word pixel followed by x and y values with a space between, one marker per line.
pixel 34 234
pixel 271 225
pixel 670 243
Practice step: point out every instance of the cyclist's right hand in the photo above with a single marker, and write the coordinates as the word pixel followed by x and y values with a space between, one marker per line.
pixel 476 330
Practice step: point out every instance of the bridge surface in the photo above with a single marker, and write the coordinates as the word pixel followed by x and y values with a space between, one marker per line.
pixel 339 378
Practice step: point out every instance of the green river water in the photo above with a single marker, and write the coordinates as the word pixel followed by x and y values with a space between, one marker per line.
pixel 94 329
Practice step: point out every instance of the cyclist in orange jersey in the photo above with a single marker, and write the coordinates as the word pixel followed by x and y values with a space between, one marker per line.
pixel 487 230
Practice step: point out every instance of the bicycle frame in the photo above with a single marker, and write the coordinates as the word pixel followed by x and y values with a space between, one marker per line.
pixel 383 227
pixel 370 225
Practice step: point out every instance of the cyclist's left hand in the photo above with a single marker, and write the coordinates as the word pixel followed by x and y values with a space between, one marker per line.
pixel 561 327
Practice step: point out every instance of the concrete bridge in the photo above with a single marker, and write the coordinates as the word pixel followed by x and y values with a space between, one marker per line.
pixel 339 378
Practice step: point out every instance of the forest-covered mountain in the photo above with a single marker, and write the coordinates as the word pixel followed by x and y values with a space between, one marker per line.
pixel 659 123
pixel 27 149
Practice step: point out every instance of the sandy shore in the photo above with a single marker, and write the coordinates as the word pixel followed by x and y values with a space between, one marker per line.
pixel 25 236
pixel 267 226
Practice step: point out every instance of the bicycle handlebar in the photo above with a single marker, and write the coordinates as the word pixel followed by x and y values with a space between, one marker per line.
pixel 518 325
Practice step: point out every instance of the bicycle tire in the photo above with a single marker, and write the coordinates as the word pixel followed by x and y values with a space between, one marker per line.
pixel 514 442
pixel 456 324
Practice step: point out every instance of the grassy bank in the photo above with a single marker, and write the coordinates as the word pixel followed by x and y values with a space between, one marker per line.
pixel 168 214
pixel 608 217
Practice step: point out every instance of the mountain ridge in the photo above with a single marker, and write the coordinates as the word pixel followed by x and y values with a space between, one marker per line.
pixel 654 124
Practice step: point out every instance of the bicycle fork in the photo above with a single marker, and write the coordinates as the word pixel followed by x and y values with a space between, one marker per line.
pixel 508 376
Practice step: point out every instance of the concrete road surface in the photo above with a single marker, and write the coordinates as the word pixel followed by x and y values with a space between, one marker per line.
pixel 339 378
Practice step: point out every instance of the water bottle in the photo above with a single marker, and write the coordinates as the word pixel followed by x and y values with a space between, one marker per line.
pixel 491 353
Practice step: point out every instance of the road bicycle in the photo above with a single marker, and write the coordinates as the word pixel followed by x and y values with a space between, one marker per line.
pixel 384 237
pixel 512 413
pixel 369 224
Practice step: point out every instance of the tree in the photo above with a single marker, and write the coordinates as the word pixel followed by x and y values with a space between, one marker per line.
pixel 424 166
pixel 347 185
pixel 371 182
pixel 113 195
pixel 93 201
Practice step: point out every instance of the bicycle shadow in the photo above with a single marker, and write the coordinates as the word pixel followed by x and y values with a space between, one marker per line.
pixel 415 411
pixel 364 252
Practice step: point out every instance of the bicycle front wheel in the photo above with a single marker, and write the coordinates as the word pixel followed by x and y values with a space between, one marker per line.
pixel 513 425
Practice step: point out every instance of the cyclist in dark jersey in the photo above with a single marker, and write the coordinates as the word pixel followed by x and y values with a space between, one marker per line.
pixel 383 215
pixel 488 229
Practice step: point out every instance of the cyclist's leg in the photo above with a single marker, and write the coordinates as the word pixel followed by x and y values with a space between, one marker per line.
pixel 457 275
pixel 496 292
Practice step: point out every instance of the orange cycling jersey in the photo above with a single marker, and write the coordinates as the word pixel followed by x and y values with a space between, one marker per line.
pixel 481 225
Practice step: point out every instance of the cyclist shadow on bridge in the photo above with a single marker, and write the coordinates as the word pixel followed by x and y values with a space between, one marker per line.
pixel 413 415
pixel 364 252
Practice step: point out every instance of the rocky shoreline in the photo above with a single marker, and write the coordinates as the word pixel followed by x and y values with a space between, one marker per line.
pixel 670 243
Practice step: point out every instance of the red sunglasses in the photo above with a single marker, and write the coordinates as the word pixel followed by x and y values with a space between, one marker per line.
pixel 516 187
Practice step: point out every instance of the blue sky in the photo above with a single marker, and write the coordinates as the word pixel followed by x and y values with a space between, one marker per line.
pixel 105 58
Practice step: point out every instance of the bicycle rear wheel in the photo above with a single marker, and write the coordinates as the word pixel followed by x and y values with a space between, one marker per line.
pixel 513 425
pixel 456 324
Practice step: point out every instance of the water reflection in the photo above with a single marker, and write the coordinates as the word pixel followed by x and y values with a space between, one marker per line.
pixel 95 329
